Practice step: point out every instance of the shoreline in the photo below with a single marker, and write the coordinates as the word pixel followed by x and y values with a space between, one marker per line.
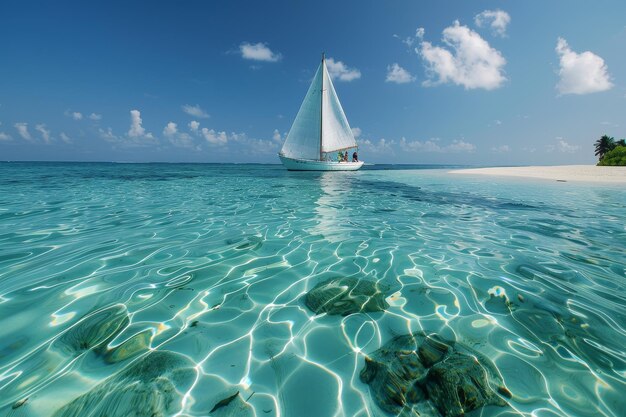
pixel 565 173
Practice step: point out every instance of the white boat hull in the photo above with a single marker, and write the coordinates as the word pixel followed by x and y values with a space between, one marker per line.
pixel 293 164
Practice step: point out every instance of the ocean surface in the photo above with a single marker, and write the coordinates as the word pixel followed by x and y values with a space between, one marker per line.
pixel 179 289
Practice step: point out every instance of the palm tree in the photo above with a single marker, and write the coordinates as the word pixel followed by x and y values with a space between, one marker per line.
pixel 621 142
pixel 603 145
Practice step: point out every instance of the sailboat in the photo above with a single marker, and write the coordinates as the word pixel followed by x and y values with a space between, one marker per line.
pixel 320 130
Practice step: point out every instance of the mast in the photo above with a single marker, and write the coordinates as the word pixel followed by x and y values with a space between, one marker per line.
pixel 322 105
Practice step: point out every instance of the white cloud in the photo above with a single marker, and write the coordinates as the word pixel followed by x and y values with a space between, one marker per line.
pixel 252 146
pixel 184 140
pixel 258 52
pixel 176 138
pixel 432 145
pixel 77 115
pixel 461 146
pixel 397 74
pixel 582 73
pixel 213 137
pixel 136 129
pixel 356 131
pixel 277 137
pixel 95 116
pixel 501 149
pixel 4 136
pixel 22 130
pixel 45 133
pixel 497 19
pixel 195 111
pixel 472 62
pixel 339 70
pixel 410 40
pixel 383 146
pixel 193 126
pixel 171 129
pixel 563 146
pixel 65 138
pixel 108 135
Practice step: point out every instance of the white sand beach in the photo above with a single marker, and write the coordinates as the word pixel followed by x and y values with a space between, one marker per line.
pixel 575 173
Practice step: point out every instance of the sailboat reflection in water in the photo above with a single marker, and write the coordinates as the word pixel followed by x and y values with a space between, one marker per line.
pixel 320 132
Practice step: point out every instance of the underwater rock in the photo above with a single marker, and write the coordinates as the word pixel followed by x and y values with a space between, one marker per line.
pixel 392 372
pixel 433 349
pixel 344 296
pixel 93 331
pixel 435 373
pixel 136 344
pixel 459 384
pixel 150 387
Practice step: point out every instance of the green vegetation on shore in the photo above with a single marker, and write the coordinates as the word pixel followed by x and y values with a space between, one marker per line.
pixel 610 152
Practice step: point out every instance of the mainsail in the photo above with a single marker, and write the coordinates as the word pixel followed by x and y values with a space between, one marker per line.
pixel 321 125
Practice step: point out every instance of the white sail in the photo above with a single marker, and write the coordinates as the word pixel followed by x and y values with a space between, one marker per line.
pixel 336 132
pixel 303 140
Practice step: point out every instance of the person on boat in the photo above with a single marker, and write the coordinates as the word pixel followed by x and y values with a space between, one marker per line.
pixel 345 156
pixel 339 156
pixel 355 157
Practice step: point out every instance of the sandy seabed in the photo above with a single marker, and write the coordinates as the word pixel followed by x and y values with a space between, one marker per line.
pixel 578 173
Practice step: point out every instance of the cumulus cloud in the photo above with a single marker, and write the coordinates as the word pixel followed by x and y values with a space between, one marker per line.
pixel 193 126
pixel 252 146
pixel 22 130
pixel 582 73
pixel 213 137
pixel 340 71
pixel 382 146
pixel 195 111
pixel 95 116
pixel 108 135
pixel 258 52
pixel 432 145
pixel 171 129
pixel 136 129
pixel 470 61
pixel 179 139
pixel 356 131
pixel 563 146
pixel 397 74
pixel 498 20
pixel 277 137
pixel 45 133
pixel 4 136
pixel 77 115
pixel 184 140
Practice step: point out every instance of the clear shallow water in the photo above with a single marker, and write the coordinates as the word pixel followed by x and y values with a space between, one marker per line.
pixel 208 264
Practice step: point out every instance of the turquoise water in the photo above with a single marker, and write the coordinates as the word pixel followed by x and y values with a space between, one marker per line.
pixel 183 285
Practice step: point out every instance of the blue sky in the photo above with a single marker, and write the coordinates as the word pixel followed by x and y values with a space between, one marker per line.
pixel 463 82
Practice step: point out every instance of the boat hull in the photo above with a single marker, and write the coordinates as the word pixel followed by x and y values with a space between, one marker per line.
pixel 309 165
